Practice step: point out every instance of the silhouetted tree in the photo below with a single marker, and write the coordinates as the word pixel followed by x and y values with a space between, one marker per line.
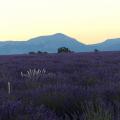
pixel 39 52
pixel 96 50
pixel 63 49
pixel 32 53
pixel 45 52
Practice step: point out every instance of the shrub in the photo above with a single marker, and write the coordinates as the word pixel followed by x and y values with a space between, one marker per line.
pixel 96 50
pixel 39 52
pixel 96 112
pixel 45 52
pixel 63 50
pixel 33 74
pixel 32 53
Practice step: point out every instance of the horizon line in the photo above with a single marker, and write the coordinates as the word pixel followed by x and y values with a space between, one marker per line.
pixel 56 34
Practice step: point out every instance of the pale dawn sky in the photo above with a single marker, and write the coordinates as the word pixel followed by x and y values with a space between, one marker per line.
pixel 89 21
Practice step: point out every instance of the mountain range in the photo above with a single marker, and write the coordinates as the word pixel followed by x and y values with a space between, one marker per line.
pixel 51 43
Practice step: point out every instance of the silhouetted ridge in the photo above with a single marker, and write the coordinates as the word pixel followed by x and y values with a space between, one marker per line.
pixel 51 43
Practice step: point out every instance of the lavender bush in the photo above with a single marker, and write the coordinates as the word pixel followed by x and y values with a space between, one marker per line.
pixel 72 86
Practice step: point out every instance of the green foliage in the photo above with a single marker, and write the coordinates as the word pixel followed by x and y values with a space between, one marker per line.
pixel 90 82
pixel 96 112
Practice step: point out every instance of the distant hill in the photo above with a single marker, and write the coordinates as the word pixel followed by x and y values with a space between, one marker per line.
pixel 51 43
pixel 44 43
pixel 108 45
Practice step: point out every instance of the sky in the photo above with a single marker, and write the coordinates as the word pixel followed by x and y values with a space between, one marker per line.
pixel 89 21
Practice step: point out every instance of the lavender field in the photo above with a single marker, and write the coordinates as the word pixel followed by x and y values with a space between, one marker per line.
pixel 71 86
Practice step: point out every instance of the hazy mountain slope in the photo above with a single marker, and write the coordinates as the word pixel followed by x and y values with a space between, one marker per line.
pixel 52 42
pixel 45 43
pixel 108 45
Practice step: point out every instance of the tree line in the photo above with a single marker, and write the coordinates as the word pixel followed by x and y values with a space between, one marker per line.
pixel 60 50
